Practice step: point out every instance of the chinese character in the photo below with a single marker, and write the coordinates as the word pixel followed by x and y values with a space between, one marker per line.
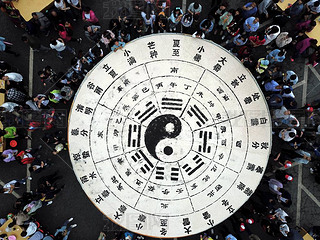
pixel 106 67
pixel 84 179
pixel 251 166
pixel 76 156
pixel 128 172
pixel 248 100
pixel 88 110
pixel 154 54
pixel 79 108
pixel 113 74
pixel 174 70
pixel 211 104
pixel 259 169
pixel 197 58
pixel 255 96
pixel 264 145
pixel 75 132
pixel 176 43
pixel 90 85
pixel 92 175
pixel 151 45
pixel 255 145
pixel 142 218
pixel 225 202
pixel 220 90
pixel 241 186
pixel 164 205
pixel 117 216
pixel 206 215
pixel 85 154
pixel 217 67
pixel 100 134
pixel 98 90
pixel 248 191
pixel 235 83
pixel 105 193
pixel 263 120
pixel 131 60
pixel 151 188
pixel 122 209
pixel 223 60
pixel 200 49
pixel 98 199
pixel 254 122
pixel 185 221
pixel 84 133
pixel 126 53
pixel 218 187
pixel 175 52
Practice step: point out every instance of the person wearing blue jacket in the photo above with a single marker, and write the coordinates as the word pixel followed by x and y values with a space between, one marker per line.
pixel 6 48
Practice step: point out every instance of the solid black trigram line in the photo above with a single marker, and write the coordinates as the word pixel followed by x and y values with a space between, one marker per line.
pixel 148 113
pixel 199 163
pixel 172 104
pixel 205 135
pixel 174 174
pixel 134 129
pixel 160 173
pixel 199 114
pixel 138 156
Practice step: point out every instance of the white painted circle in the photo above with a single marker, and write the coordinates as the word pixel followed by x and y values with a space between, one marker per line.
pixel 169 136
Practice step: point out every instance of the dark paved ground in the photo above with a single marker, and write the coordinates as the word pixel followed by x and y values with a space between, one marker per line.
pixel 72 202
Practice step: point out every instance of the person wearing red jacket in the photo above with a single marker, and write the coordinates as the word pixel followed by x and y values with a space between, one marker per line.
pixel 89 16
pixel 65 32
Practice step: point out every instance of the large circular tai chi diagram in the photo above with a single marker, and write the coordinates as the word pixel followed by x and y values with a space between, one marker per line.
pixel 169 135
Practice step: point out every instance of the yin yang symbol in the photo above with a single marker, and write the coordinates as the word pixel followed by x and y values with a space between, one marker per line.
pixel 168 138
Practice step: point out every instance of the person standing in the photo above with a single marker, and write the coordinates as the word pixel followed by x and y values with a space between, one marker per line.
pixel 4 47
pixel 251 25
pixel 76 6
pixel 34 43
pixel 63 232
pixel 13 184
pixel 39 19
pixel 59 45
pixel 12 77
pixel 14 95
pixel 195 9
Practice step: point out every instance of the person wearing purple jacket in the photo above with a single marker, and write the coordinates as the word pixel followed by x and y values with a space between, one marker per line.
pixel 302 46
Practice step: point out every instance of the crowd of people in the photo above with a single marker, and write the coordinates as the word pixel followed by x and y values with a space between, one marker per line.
pixel 262 50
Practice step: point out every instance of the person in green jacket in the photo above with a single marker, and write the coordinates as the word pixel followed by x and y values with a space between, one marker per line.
pixel 225 20
pixel 9 132
pixel 55 96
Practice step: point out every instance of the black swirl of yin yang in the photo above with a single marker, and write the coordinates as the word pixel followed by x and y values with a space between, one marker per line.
pixel 165 138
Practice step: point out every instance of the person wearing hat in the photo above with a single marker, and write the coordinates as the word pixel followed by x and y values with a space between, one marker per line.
pixel 283 176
